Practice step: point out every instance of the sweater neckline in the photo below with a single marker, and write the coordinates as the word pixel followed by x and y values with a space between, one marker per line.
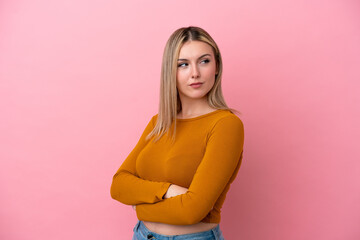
pixel 198 117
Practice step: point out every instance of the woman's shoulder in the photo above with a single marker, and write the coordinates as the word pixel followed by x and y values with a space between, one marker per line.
pixel 229 117
pixel 226 122
pixel 228 125
pixel 154 119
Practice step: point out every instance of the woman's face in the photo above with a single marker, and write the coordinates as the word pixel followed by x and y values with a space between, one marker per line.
pixel 196 64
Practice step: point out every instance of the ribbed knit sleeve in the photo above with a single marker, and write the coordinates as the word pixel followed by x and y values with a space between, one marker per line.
pixel 222 155
pixel 127 187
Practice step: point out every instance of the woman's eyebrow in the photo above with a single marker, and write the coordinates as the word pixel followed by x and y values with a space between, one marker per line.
pixel 183 59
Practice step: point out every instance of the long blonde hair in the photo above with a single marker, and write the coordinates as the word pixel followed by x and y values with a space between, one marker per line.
pixel 170 104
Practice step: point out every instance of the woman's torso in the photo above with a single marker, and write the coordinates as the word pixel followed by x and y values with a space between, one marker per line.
pixel 168 229
pixel 178 165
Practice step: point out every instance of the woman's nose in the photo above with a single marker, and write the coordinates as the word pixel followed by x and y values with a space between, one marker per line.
pixel 195 72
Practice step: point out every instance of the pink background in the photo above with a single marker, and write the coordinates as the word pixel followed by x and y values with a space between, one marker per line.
pixel 79 80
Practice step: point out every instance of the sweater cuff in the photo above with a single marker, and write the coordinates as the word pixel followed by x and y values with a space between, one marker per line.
pixel 163 190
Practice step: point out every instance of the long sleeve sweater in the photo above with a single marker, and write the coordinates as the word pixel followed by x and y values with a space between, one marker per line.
pixel 205 158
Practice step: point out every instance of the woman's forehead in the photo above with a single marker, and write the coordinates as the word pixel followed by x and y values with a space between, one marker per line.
pixel 194 49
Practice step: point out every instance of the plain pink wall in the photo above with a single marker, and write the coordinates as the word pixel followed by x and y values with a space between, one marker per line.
pixel 79 80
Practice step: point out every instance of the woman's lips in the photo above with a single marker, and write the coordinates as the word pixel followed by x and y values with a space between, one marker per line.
pixel 196 85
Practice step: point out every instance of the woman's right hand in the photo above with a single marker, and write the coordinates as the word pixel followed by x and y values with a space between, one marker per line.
pixel 175 190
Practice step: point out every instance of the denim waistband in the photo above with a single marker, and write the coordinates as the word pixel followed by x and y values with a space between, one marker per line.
pixel 214 233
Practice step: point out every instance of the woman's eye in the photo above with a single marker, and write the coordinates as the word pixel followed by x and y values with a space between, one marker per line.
pixel 186 64
pixel 182 64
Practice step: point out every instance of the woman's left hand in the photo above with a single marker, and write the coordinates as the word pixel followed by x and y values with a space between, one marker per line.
pixel 134 207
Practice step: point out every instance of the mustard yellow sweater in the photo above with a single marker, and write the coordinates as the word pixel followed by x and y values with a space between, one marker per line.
pixel 205 158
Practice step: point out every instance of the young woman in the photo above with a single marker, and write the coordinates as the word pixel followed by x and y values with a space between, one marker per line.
pixel 178 174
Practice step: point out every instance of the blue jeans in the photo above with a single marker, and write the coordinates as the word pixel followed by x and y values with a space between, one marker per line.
pixel 141 232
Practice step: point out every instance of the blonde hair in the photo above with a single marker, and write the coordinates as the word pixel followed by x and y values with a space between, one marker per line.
pixel 169 102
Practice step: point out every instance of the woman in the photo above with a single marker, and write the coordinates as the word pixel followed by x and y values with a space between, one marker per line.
pixel 178 174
